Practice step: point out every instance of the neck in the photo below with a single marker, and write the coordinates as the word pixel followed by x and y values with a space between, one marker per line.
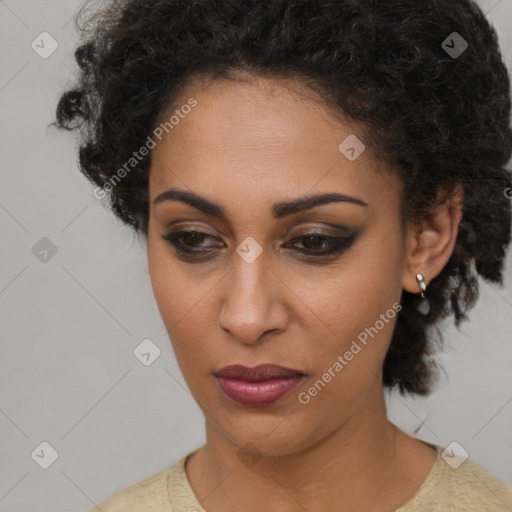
pixel 359 466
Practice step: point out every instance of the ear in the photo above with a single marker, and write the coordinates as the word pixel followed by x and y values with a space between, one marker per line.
pixel 430 244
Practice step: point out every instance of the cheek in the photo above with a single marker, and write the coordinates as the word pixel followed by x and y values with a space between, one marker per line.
pixel 184 302
pixel 358 305
pixel 346 364
pixel 166 282
pixel 174 289
pixel 362 287
pixel 357 318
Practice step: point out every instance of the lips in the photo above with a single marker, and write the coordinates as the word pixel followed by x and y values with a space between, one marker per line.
pixel 258 386
pixel 256 374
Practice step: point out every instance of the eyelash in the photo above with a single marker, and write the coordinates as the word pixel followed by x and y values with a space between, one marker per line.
pixel 339 244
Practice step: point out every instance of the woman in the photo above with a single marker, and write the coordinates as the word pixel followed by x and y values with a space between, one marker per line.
pixel 318 184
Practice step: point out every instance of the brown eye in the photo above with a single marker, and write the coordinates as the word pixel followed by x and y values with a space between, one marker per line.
pixel 312 244
pixel 193 237
pixel 186 241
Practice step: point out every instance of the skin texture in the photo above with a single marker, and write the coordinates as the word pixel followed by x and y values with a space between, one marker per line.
pixel 247 146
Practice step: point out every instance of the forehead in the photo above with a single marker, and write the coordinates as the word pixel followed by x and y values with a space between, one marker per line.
pixel 252 138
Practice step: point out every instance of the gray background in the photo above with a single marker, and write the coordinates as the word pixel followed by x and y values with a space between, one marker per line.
pixel 69 325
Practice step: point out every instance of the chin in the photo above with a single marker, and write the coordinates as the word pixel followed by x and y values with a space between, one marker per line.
pixel 266 435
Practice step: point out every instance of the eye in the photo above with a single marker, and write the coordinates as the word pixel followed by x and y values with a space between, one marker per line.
pixel 191 242
pixel 314 242
pixel 186 241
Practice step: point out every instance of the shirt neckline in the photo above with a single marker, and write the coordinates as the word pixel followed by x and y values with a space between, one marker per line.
pixel 183 497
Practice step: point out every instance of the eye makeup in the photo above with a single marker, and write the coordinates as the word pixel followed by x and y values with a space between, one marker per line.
pixel 193 244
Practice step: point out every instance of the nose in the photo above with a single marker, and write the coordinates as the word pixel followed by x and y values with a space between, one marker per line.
pixel 253 301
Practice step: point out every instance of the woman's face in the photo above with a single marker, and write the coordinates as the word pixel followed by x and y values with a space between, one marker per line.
pixel 247 292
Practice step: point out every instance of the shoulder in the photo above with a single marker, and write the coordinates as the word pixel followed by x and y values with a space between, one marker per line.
pixel 468 487
pixel 472 487
pixel 147 494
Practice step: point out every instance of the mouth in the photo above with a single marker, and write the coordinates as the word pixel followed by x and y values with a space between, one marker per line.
pixel 258 386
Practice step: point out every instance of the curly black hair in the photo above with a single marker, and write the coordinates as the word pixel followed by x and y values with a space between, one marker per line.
pixel 424 79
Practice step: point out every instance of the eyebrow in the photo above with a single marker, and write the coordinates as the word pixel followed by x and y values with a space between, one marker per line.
pixel 279 210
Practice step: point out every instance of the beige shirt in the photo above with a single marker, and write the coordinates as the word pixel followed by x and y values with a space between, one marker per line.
pixel 469 487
